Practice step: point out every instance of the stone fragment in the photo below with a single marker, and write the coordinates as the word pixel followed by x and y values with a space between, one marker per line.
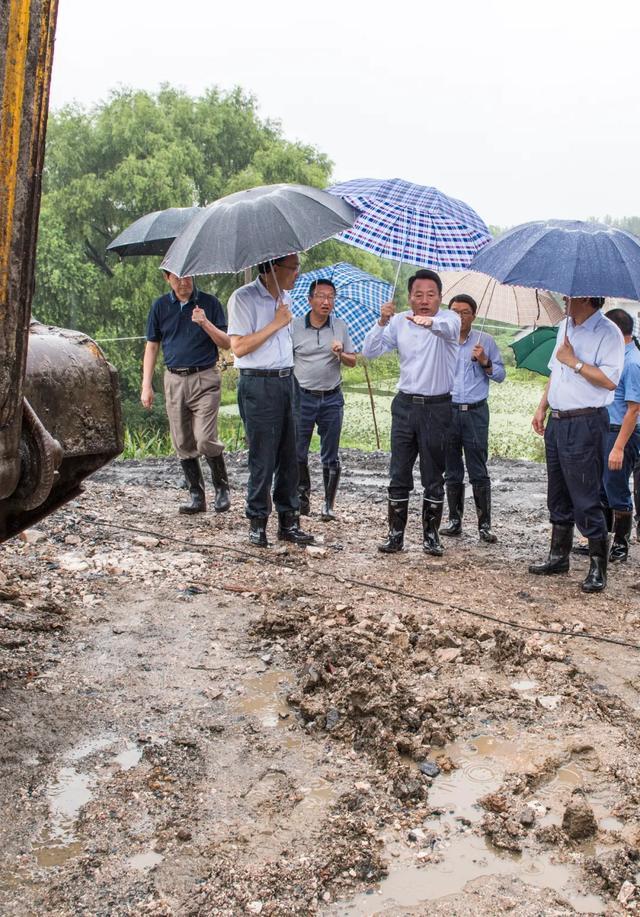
pixel 578 820
pixel 429 769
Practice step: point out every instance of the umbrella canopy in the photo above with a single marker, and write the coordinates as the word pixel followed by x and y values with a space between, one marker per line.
pixel 567 256
pixel 533 349
pixel 153 233
pixel 257 225
pixel 514 305
pixel 412 223
pixel 358 297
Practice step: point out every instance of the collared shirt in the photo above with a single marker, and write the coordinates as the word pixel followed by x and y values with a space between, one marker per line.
pixel 471 382
pixel 250 308
pixel 315 364
pixel 628 387
pixel 184 343
pixel 427 355
pixel 597 342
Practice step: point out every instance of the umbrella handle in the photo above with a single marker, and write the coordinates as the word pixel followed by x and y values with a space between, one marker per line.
pixel 404 245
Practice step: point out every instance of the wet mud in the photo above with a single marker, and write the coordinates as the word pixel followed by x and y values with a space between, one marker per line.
pixel 192 727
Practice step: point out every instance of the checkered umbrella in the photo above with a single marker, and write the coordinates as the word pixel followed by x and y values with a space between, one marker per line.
pixel 412 223
pixel 358 297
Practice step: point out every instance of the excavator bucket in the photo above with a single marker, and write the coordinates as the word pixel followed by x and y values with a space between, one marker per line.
pixel 59 407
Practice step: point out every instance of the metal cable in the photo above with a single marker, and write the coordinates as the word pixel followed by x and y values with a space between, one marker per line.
pixel 272 561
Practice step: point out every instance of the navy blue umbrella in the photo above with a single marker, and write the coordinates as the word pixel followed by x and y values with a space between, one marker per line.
pixel 567 256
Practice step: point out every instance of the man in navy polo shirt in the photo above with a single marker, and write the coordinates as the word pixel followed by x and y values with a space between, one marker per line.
pixel 190 325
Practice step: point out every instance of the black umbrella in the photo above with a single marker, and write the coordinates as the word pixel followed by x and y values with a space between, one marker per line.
pixel 153 233
pixel 257 225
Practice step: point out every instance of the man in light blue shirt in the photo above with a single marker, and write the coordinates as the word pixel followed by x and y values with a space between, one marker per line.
pixel 623 442
pixel 586 365
pixel 426 339
pixel 260 332
pixel 479 362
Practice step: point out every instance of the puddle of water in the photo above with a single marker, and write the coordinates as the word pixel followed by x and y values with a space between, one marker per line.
pixel 463 855
pixel 468 858
pixel 145 861
pixel 129 757
pixel 317 797
pixel 263 699
pixel 66 796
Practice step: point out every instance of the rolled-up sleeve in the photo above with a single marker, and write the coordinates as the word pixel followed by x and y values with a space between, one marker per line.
pixel 380 339
pixel 446 325
pixel 631 391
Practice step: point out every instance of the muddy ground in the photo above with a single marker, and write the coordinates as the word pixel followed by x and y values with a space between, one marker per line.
pixel 190 726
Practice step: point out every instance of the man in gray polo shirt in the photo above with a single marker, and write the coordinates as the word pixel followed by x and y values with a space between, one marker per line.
pixel 260 332
pixel 321 344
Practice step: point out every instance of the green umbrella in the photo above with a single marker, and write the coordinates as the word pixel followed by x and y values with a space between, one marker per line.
pixel 533 349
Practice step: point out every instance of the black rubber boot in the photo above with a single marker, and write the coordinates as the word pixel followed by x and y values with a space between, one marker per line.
pixel 331 476
pixel 193 475
pixel 558 559
pixel 622 525
pixel 258 532
pixel 455 502
pixel 482 498
pixel 289 529
pixel 304 488
pixel 220 483
pixel 431 519
pixel 596 578
pixel 397 514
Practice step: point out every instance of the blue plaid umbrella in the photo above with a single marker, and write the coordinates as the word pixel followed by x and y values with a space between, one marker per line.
pixel 412 223
pixel 358 297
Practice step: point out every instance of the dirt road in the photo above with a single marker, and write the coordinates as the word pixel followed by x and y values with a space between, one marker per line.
pixel 187 729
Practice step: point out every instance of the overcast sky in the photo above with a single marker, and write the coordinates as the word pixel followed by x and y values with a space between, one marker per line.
pixel 525 111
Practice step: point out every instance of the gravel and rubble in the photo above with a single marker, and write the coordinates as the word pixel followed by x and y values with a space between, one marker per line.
pixel 192 727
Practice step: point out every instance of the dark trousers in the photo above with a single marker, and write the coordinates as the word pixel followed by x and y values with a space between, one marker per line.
pixel 325 412
pixel 266 406
pixel 418 429
pixel 469 435
pixel 575 449
pixel 616 491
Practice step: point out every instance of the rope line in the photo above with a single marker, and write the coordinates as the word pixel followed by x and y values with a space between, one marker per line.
pixel 272 561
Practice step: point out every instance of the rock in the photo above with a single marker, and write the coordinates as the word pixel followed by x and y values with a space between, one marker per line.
pixel 72 539
pixel 549 701
pixel 316 551
pixel 429 769
pixel 416 834
pixel 627 892
pixel 551 652
pixel 183 834
pixel 447 654
pixel 32 536
pixel 527 817
pixel 494 802
pixel 146 541
pixel 578 820
pixel 255 907
pixel 332 718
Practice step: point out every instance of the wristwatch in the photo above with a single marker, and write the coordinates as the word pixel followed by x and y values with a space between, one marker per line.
pixel 488 365
pixel 578 367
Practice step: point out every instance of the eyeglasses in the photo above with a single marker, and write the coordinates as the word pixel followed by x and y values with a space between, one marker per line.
pixel 465 312
pixel 324 297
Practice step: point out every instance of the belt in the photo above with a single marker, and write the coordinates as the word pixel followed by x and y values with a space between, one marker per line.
pixel 579 412
pixel 470 407
pixel 425 399
pixel 320 393
pixel 190 370
pixel 281 373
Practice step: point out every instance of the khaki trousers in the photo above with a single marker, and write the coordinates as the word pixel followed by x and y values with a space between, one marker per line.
pixel 192 404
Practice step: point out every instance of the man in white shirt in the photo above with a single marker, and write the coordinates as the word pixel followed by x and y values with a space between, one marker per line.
pixel 426 339
pixel 260 333
pixel 586 365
